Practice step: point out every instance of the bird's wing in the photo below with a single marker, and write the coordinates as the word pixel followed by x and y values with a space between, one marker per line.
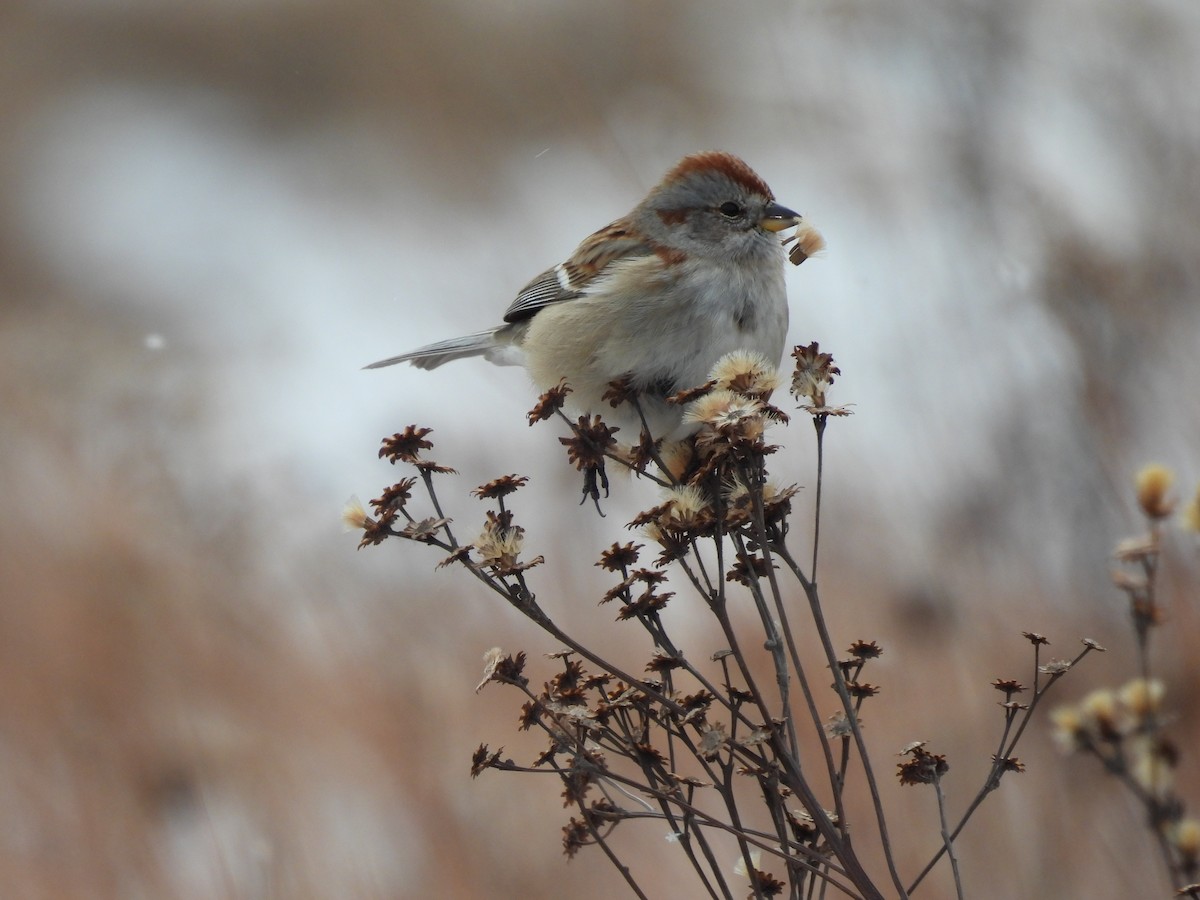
pixel 570 279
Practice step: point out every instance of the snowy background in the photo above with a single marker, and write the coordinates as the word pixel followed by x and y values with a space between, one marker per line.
pixel 215 213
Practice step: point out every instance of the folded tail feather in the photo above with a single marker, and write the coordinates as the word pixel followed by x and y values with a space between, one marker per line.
pixel 433 355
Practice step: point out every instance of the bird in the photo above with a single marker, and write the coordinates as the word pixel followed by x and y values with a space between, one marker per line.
pixel 693 272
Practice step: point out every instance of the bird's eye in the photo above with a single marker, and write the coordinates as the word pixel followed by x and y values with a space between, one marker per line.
pixel 730 209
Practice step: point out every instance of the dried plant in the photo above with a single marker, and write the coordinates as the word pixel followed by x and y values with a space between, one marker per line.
pixel 710 749
pixel 1126 729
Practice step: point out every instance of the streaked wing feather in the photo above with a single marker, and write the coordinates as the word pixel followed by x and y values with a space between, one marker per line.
pixel 571 279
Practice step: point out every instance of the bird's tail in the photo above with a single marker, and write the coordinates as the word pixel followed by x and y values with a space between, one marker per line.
pixel 482 343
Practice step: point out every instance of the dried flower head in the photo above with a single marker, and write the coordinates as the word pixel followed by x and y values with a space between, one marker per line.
pixel 1034 638
pixel 1008 686
pixel 723 409
pixel 618 558
pixel 839 725
pixel 1142 698
pixel 685 508
pixel 490 659
pixel 500 487
pixel 749 568
pixel 394 497
pixel 1069 731
pixel 809 242
pixel 813 375
pixel 922 767
pixel 1055 667
pixel 865 650
pixel 586 448
pixel 1152 483
pixel 712 739
pixel 499 544
pixel 549 403
pixel 620 391
pixel 776 501
pixel 1151 765
pixel 406 446
pixel 482 759
pixel 354 515
pixel 1009 764
pixel 1101 715
pixel 1184 836
pixel 747 373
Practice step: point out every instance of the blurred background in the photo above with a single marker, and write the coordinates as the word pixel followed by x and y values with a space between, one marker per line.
pixel 214 213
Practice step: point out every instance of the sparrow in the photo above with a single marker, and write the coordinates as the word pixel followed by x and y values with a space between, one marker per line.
pixel 695 271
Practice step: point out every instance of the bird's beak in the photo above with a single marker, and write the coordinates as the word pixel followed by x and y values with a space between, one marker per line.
pixel 777 218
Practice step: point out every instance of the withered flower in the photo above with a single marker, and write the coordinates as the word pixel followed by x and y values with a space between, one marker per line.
pixel 1034 638
pixel 510 670
pixel 776 502
pixel 568 679
pixel 1142 698
pixel 586 450
pixel 1070 732
pixel 1055 667
pixel 861 690
pixel 405 446
pixel 618 558
pixel 575 835
pixel 1152 484
pixel 1008 686
pixel 375 532
pixel 354 517
pixel 749 568
pixel 577 781
pixel 1009 764
pixel 1152 765
pixel 663 663
pixel 702 699
pixel 747 373
pixel 598 680
pixel 531 714
pixel 922 767
pixel 500 487
pixel 484 759
pixel 550 403
pixel 809 242
pixel 647 754
pixel 646 603
pixel 621 391
pixel 489 666
pixel 395 497
pixel 730 415
pixel 641 454
pixel 765 883
pixel 839 725
pixel 499 544
pixel 1184 836
pixel 712 739
pixel 428 465
pixel 866 650
pixel 814 374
